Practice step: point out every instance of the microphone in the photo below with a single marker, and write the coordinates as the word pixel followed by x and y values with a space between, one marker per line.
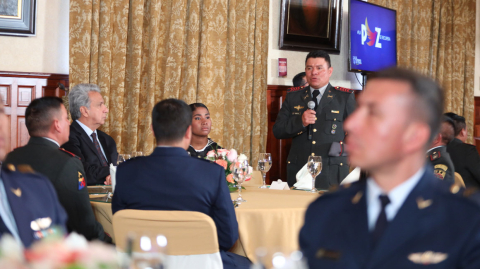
pixel 311 105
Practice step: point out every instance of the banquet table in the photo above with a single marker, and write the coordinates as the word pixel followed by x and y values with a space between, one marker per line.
pixel 270 218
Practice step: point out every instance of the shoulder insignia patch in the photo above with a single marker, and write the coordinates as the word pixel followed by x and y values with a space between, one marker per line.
pixel 25 168
pixel 435 155
pixel 343 89
pixel 81 181
pixel 440 170
pixel 295 89
pixel 69 153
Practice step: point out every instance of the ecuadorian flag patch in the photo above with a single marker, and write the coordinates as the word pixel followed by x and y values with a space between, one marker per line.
pixel 81 181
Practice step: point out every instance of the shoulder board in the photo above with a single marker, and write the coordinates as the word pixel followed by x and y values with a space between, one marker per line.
pixel 25 168
pixel 295 89
pixel 69 153
pixel 343 89
pixel 470 191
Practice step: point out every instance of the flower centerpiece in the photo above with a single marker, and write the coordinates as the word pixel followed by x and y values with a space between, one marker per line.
pixel 227 158
pixel 55 252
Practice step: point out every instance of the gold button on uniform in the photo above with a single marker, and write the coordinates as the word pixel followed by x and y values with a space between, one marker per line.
pixel 335 119
pixel 314 142
pixel 341 164
pixel 314 130
pixel 288 161
pixel 313 154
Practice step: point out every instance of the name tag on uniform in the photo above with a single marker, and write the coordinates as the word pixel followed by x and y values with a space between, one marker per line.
pixel 335 111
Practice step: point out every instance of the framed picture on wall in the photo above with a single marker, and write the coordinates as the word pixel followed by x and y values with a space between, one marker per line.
pixel 17 17
pixel 307 25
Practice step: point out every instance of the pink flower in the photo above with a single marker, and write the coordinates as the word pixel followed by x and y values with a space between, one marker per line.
pixel 232 155
pixel 223 152
pixel 211 154
pixel 222 163
pixel 230 178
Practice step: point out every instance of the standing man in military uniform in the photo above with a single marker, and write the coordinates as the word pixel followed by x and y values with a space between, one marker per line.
pixel 48 125
pixel 438 156
pixel 325 122
pixel 29 207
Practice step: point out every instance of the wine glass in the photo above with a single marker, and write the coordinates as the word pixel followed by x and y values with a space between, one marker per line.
pixel 120 159
pixel 264 165
pixel 127 157
pixel 137 154
pixel 240 171
pixel 148 251
pixel 314 166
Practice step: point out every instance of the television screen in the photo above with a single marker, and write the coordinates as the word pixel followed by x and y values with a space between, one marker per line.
pixel 373 37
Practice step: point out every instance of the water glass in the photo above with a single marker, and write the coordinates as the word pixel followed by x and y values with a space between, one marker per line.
pixel 264 165
pixel 314 166
pixel 240 172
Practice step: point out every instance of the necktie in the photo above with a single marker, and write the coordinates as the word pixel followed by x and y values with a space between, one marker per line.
pixel 99 151
pixel 381 224
pixel 315 94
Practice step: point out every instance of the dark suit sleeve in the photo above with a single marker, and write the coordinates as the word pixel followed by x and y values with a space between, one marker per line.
pixel 287 125
pixel 473 160
pixel 223 215
pixel 77 203
pixel 95 173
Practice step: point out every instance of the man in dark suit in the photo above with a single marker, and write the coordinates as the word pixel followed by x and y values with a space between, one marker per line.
pixel 464 156
pixel 325 122
pixel 96 149
pixel 29 207
pixel 438 156
pixel 170 179
pixel 402 216
pixel 48 125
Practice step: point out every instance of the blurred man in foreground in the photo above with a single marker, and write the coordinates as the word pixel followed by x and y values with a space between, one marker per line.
pixel 170 179
pixel 402 216
pixel 48 125
pixel 29 207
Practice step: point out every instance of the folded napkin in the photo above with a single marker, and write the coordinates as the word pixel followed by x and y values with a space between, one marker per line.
pixel 113 171
pixel 352 177
pixel 304 179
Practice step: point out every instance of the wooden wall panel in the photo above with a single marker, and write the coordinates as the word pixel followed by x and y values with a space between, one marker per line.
pixel 17 91
pixel 279 148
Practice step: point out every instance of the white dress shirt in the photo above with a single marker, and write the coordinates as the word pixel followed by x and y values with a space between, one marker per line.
pixel 322 91
pixel 397 196
pixel 89 132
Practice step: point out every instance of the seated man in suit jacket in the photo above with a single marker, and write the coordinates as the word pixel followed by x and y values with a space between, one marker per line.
pixel 402 216
pixel 96 149
pixel 29 207
pixel 170 179
pixel 48 125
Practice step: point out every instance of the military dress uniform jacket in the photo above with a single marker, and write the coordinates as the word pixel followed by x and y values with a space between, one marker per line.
pixel 32 200
pixel 466 160
pixel 169 179
pixel 81 145
pixel 68 177
pixel 442 164
pixel 334 107
pixel 434 228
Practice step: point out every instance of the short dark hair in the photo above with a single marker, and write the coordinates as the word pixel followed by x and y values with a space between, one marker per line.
pixel 459 122
pixel 447 130
pixel 299 79
pixel 170 120
pixel 319 54
pixel 40 113
pixel 428 106
pixel 194 106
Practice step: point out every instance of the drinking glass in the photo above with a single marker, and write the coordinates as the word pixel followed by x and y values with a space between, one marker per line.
pixel 148 251
pixel 127 157
pixel 314 166
pixel 264 165
pixel 240 171
pixel 120 159
pixel 137 154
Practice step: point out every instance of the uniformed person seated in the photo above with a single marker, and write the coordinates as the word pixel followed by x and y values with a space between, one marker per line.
pixel 48 126
pixel 29 207
pixel 402 216
pixel 438 156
